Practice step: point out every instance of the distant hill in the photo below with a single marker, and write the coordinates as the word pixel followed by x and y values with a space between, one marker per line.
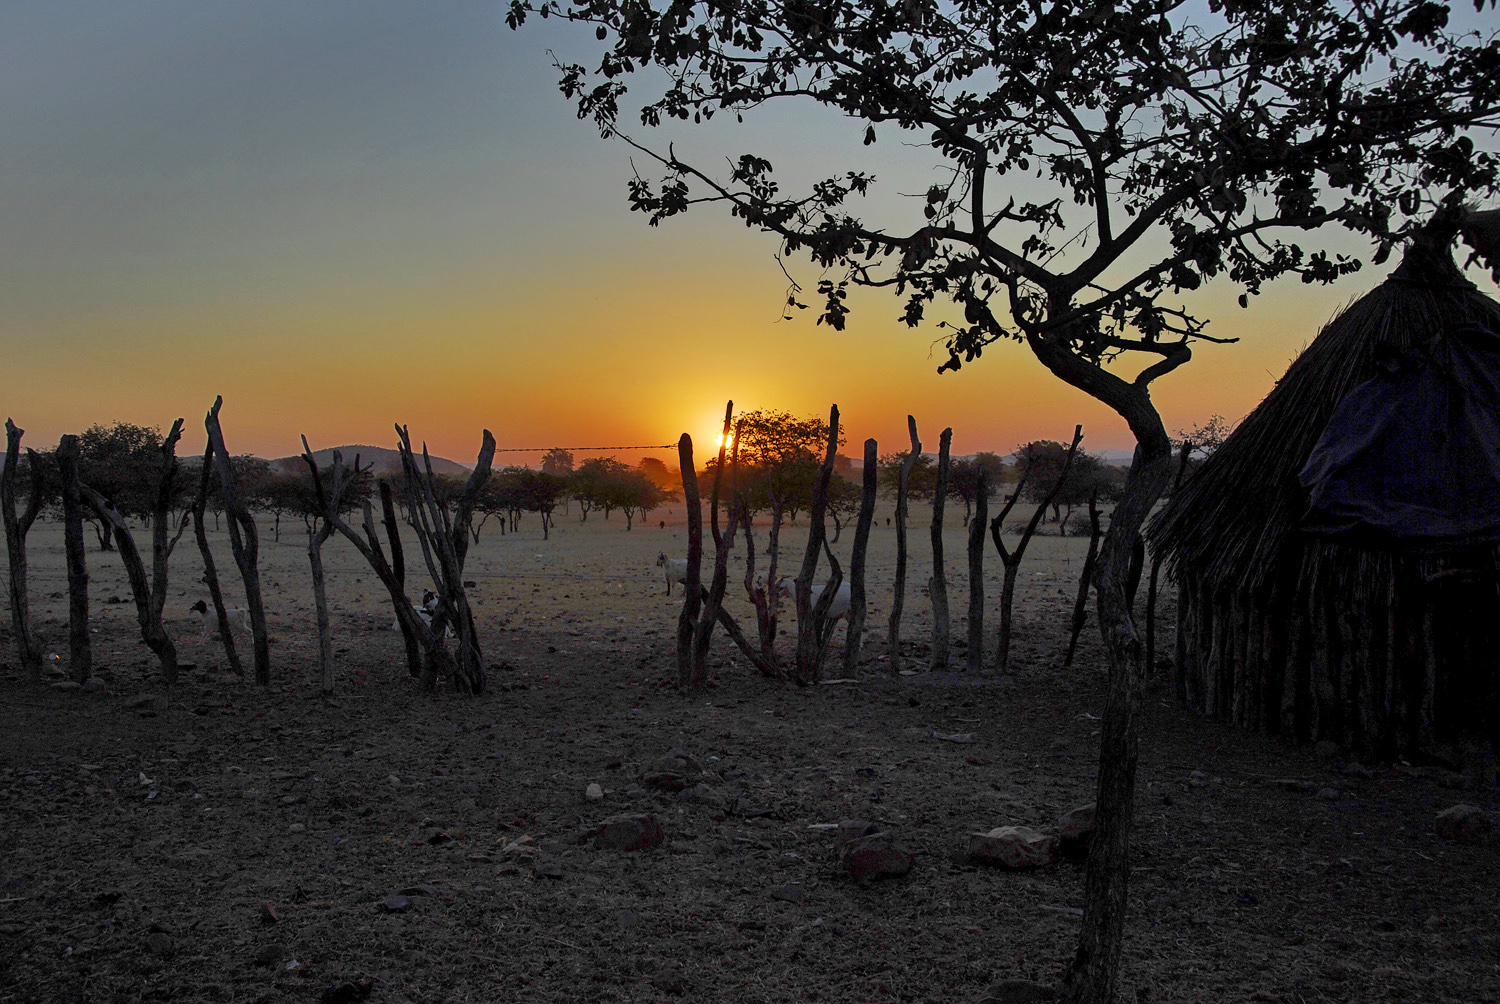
pixel 385 461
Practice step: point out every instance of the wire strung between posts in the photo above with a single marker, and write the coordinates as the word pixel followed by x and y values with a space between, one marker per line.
pixel 544 449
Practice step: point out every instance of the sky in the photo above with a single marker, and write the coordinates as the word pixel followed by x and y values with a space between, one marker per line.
pixel 343 215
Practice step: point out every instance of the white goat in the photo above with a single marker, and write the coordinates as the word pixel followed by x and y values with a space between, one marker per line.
pixel 238 617
pixel 787 586
pixel 427 610
pixel 674 569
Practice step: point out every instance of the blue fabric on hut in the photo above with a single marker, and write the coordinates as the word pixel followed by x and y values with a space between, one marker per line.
pixel 1411 457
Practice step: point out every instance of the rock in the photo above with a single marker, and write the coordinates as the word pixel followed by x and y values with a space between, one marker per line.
pixel 702 794
pixel 670 981
pixel 1327 748
pixel 268 913
pixel 269 955
pixel 1464 823
pixel 664 780
pixel 419 890
pixel 94 685
pixel 1014 847
pixel 142 701
pixel 395 903
pixel 1358 770
pixel 875 856
pixel 593 793
pixel 1018 992
pixel 159 943
pixel 1291 784
pixel 297 828
pixel 347 993
pixel 548 870
pixel 853 829
pixel 789 893
pixel 437 836
pixel 1329 794
pixel 1075 832
pixel 629 833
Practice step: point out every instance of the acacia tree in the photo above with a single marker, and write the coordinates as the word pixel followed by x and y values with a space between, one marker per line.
pixel 1176 144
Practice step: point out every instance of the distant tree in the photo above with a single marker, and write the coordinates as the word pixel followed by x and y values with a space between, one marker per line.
pixel 251 476
pixel 843 503
pixel 542 493
pixel 557 462
pixel 661 475
pixel 638 495
pixel 921 481
pixel 595 485
pixel 1043 464
pixel 1200 442
pixel 964 479
pixel 504 495
pixel 286 495
pixel 122 462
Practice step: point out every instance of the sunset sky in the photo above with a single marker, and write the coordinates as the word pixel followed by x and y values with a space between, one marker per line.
pixel 339 215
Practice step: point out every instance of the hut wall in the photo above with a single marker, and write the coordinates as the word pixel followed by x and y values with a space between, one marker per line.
pixel 1386 655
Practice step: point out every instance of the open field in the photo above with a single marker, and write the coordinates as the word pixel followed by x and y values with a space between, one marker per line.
pixel 140 842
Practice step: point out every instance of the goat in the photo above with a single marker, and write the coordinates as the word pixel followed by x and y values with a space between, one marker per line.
pixel 787 586
pixel 238 617
pixel 674 569
pixel 427 610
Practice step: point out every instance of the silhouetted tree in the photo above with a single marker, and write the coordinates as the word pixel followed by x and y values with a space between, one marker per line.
pixel 1185 143
pixel 558 462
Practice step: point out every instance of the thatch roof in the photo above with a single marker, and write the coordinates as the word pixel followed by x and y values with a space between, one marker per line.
pixel 1230 521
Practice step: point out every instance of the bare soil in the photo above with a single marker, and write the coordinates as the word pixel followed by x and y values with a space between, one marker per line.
pixel 227 842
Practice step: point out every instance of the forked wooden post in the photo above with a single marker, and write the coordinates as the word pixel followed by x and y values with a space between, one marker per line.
pixel 858 607
pixel 17 526
pixel 80 647
pixel 898 597
pixel 244 541
pixel 938 585
pixel 977 524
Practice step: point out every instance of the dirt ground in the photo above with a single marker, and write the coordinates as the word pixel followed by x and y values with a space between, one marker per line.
pixel 220 841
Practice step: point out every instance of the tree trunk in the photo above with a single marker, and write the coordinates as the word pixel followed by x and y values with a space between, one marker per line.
pixel 80 650
pixel 854 638
pixel 938 585
pixel 244 541
pixel 1096 965
pixel 898 597
pixel 398 569
pixel 978 520
pixel 1080 605
pixel 17 526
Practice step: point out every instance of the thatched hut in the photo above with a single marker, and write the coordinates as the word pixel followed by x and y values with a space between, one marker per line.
pixel 1337 557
